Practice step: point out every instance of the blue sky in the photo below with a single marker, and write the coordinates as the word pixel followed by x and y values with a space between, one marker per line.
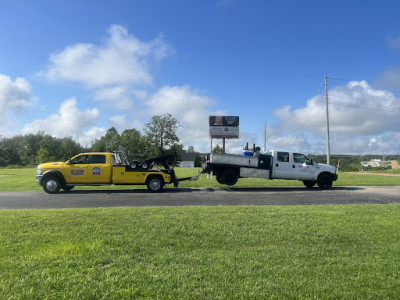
pixel 76 68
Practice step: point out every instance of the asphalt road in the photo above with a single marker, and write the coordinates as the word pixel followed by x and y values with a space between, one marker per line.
pixel 201 197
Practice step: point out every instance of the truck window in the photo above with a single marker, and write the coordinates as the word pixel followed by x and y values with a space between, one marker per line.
pixel 300 158
pixel 97 159
pixel 283 156
pixel 81 159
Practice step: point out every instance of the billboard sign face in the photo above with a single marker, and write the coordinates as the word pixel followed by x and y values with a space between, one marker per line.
pixel 224 127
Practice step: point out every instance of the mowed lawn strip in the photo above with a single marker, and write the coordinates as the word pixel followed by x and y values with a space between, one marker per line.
pixel 24 180
pixel 322 252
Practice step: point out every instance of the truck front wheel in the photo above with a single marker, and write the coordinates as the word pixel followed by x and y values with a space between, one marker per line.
pixel 51 185
pixel 324 181
pixel 229 177
pixel 155 184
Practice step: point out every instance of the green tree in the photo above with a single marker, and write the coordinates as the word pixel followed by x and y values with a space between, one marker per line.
pixel 132 144
pixel 68 148
pixel 199 158
pixel 30 148
pixel 161 134
pixel 8 151
pixel 108 143
pixel 217 149
pixel 49 149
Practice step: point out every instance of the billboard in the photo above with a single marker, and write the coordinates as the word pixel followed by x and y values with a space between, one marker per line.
pixel 224 127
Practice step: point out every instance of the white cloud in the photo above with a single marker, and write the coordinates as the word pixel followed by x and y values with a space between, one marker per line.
pixel 69 121
pixel 14 96
pixel 393 42
pixel 121 59
pixel 361 119
pixel 117 70
pixel 119 121
pixel 391 77
pixel 118 97
pixel 190 108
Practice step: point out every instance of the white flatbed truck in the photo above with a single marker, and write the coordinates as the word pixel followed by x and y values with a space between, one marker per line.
pixel 272 164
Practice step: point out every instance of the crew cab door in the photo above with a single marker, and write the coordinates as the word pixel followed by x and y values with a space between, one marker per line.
pixel 303 169
pixel 77 169
pixel 88 168
pixel 99 169
pixel 282 166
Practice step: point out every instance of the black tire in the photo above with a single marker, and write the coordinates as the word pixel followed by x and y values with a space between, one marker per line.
pixel 229 177
pixel 155 184
pixel 309 183
pixel 51 185
pixel 219 179
pixel 135 164
pixel 145 165
pixel 324 181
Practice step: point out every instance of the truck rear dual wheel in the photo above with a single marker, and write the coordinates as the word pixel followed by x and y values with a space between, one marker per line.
pixel 155 184
pixel 229 177
pixel 309 183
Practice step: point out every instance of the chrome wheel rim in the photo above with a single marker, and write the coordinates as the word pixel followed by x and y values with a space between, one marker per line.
pixel 155 184
pixel 51 185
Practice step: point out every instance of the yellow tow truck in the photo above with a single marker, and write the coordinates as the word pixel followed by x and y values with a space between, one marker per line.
pixel 100 168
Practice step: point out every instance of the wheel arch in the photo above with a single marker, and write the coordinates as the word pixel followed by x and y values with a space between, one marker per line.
pixel 220 170
pixel 54 173
pixel 326 173
pixel 155 176
pixel 150 176
pixel 325 180
pixel 230 176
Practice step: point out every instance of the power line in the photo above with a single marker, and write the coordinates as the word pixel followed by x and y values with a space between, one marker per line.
pixel 363 107
pixel 370 81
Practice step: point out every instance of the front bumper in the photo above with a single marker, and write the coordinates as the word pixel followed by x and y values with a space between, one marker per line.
pixel 39 179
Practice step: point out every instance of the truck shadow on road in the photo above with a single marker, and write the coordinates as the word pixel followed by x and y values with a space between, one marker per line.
pixel 215 189
pixel 291 189
pixel 131 191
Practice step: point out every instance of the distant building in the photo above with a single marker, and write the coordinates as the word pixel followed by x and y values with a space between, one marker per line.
pixel 187 160
pixel 375 163
pixel 395 164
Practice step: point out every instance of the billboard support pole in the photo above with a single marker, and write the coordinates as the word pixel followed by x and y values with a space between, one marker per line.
pixel 223 145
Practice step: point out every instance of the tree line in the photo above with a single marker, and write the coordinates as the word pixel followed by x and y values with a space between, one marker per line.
pixel 159 137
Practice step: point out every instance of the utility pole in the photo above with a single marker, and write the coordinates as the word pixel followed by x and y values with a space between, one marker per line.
pixel 265 137
pixel 328 150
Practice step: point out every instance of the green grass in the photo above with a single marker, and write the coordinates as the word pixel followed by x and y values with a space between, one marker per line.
pixel 24 179
pixel 18 179
pixel 309 252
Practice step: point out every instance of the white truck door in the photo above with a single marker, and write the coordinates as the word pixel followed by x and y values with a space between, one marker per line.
pixel 302 168
pixel 282 168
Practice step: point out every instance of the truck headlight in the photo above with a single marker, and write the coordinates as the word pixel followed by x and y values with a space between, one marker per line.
pixel 38 171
